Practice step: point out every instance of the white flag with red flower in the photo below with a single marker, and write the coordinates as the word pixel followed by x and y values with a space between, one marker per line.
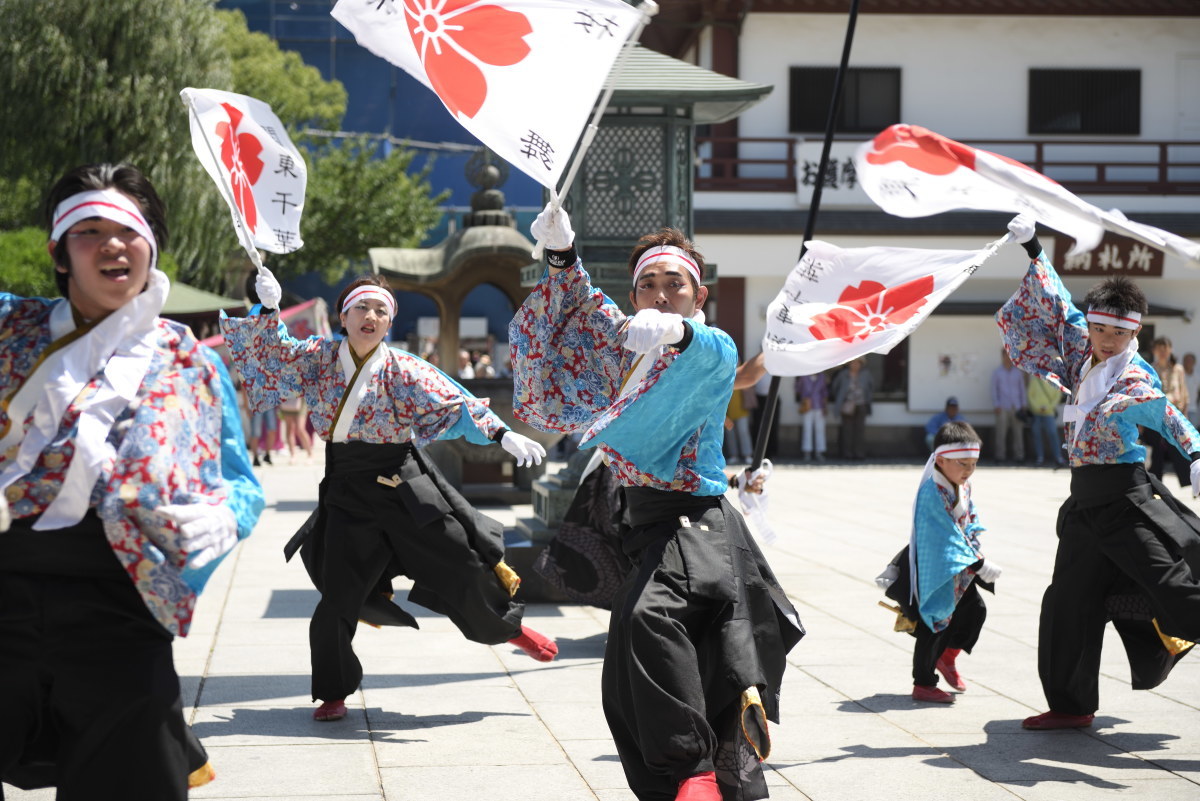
pixel 521 75
pixel 261 175
pixel 839 303
pixel 911 171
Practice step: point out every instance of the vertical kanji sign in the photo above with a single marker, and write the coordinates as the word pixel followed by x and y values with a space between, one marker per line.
pixel 246 150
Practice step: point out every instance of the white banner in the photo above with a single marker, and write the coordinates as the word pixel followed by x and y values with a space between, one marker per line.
pixel 261 175
pixel 838 304
pixel 911 171
pixel 521 75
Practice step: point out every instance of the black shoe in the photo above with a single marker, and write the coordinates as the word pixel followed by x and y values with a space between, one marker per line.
pixel 267 459
pixel 256 462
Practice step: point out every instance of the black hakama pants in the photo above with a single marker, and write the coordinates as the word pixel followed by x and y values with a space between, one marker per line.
pixel 699 619
pixel 365 532
pixel 90 697
pixel 1129 552
pixel 961 632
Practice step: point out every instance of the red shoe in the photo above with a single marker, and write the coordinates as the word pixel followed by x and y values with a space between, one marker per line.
pixel 539 646
pixel 931 694
pixel 330 710
pixel 1057 720
pixel 945 666
pixel 701 787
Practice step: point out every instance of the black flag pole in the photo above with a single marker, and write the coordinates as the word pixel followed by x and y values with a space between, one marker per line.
pixel 835 103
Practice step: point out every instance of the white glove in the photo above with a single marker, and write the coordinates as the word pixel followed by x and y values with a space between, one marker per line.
pixel 1022 227
pixel 1195 479
pixel 526 450
pixel 206 531
pixel 6 517
pixel 650 328
pixel 553 228
pixel 989 571
pixel 888 577
pixel 268 289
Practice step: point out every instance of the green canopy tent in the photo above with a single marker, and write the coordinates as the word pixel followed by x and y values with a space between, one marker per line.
pixel 198 308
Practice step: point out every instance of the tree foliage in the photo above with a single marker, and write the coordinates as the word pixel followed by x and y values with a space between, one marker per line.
pixel 86 81
pixel 27 270
pixel 296 92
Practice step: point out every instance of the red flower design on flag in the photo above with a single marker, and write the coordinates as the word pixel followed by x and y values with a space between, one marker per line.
pixel 239 154
pixel 870 307
pixel 453 37
pixel 928 151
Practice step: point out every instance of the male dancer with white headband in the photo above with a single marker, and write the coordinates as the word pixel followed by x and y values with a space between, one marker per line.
pixel 945 558
pixel 700 628
pixel 123 461
pixel 1127 550
pixel 383 509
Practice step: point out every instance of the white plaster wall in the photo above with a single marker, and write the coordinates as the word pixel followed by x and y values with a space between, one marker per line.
pixel 967 76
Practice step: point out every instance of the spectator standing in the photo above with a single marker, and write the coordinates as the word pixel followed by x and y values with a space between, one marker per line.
pixel 1192 380
pixel 761 387
pixel 1008 401
pixel 812 392
pixel 1043 398
pixel 1174 386
pixel 264 428
pixel 737 429
pixel 853 390
pixel 466 369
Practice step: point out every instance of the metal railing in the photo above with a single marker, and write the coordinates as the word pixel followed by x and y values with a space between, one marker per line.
pixel 1131 167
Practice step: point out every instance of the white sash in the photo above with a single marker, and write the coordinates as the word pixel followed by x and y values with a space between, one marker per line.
pixel 358 389
pixel 1097 381
pixel 119 348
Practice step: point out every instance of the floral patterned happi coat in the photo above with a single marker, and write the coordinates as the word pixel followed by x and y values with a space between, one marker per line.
pixel 568 368
pixel 1046 336
pixel 167 448
pixel 394 397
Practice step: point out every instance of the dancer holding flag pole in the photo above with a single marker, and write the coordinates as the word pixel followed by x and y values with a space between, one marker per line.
pixel 1128 551
pixel 392 511
pixel 700 627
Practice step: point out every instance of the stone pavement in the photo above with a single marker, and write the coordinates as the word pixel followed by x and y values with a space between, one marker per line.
pixel 441 718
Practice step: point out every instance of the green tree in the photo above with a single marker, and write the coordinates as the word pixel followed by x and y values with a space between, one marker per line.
pixel 85 82
pixel 296 92
pixel 26 268
pixel 356 201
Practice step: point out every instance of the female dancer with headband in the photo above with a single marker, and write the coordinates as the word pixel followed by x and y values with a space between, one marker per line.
pixel 383 509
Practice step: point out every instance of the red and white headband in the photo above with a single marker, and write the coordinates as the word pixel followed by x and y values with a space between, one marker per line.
pixel 958 450
pixel 670 254
pixel 110 204
pixel 371 292
pixel 1130 319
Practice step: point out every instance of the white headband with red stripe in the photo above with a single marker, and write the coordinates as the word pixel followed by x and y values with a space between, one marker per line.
pixel 371 292
pixel 667 253
pixel 1130 319
pixel 958 450
pixel 111 204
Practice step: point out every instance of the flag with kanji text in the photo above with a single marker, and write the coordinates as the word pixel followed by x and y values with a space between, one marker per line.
pixel 247 152
pixel 838 303
pixel 912 171
pixel 521 75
